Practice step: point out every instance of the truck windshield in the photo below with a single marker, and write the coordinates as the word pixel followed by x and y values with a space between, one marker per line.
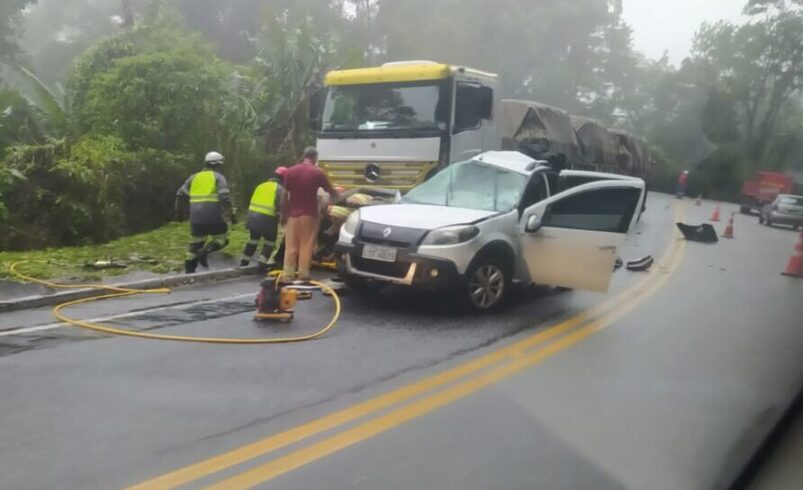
pixel 385 107
pixel 471 185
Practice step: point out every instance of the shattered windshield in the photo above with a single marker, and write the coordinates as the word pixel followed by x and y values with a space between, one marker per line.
pixel 385 107
pixel 471 185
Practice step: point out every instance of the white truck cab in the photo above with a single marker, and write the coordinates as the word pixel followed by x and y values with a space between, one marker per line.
pixel 480 225
pixel 395 125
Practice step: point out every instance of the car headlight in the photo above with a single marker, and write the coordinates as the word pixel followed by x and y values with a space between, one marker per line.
pixel 352 222
pixel 451 235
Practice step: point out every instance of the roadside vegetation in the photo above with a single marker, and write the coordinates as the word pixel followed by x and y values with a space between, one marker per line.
pixel 159 251
pixel 107 106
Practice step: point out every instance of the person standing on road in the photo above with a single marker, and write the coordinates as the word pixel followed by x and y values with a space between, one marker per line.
pixel 300 214
pixel 683 181
pixel 262 220
pixel 205 197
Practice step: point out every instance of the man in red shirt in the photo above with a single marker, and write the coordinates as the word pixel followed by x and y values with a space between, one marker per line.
pixel 300 214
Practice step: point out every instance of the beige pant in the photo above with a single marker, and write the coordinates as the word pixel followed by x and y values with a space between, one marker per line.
pixel 300 236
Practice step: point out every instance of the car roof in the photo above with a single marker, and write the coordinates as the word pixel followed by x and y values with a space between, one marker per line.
pixel 510 160
pixel 596 175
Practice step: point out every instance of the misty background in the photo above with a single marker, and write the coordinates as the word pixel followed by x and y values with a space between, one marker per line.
pixel 104 102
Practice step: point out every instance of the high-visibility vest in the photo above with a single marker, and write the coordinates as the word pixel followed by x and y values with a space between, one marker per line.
pixel 204 187
pixel 263 201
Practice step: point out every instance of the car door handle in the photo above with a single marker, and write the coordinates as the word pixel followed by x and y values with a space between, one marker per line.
pixel 607 247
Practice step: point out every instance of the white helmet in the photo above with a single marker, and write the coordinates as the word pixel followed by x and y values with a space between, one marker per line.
pixel 213 158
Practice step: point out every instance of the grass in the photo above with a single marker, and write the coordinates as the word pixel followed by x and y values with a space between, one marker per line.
pixel 160 251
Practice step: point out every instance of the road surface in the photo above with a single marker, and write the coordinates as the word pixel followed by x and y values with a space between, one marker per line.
pixel 669 381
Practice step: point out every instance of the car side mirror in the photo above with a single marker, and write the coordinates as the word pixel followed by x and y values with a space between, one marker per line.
pixel 533 224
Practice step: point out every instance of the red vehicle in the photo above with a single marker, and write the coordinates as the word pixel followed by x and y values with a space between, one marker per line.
pixel 763 189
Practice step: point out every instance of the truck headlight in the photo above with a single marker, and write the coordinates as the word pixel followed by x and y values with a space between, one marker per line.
pixel 352 222
pixel 451 235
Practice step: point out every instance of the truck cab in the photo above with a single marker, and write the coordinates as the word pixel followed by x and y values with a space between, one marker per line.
pixel 395 125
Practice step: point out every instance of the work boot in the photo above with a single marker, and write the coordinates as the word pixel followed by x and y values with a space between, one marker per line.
pixel 190 266
pixel 244 262
pixel 202 260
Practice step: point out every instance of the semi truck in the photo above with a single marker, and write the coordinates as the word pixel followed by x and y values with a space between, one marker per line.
pixel 395 125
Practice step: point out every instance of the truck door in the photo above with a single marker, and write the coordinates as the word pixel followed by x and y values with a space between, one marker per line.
pixel 471 109
pixel 571 239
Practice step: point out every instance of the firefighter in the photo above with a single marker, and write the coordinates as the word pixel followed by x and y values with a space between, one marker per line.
pixel 205 197
pixel 263 221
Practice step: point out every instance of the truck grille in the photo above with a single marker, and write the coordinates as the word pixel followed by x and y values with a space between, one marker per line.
pixel 392 175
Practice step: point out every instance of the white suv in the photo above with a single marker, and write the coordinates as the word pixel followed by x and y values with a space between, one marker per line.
pixel 478 226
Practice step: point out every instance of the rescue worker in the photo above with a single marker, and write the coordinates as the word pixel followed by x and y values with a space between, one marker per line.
pixel 683 181
pixel 301 214
pixel 205 197
pixel 263 222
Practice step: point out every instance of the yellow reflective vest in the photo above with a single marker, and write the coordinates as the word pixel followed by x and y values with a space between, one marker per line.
pixel 263 201
pixel 204 187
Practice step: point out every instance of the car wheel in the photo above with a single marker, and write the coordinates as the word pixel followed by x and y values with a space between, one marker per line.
pixel 761 219
pixel 767 221
pixel 744 210
pixel 487 285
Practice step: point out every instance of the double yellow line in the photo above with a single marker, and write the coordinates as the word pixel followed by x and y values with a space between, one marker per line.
pixel 456 383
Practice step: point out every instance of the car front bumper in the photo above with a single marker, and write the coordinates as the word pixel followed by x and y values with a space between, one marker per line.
pixel 410 269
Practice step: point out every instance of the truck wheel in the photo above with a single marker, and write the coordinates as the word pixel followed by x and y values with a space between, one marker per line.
pixel 487 285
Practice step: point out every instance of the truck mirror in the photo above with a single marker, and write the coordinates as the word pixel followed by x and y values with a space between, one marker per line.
pixel 486 102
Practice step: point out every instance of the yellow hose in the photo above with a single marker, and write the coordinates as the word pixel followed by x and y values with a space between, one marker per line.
pixel 120 292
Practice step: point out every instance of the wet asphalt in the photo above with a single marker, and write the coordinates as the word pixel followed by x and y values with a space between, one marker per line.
pixel 673 395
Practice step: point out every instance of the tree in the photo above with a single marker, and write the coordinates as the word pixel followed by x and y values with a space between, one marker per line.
pixel 10 26
pixel 759 65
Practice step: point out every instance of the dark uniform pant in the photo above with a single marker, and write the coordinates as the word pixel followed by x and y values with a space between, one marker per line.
pixel 206 238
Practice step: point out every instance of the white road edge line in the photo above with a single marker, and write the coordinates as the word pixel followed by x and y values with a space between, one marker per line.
pixel 22 330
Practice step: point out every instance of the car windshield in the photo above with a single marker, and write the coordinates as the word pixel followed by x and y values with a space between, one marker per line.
pixel 472 185
pixel 385 107
pixel 790 201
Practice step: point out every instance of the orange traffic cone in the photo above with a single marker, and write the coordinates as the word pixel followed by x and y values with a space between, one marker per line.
pixel 715 215
pixel 729 229
pixel 699 200
pixel 795 266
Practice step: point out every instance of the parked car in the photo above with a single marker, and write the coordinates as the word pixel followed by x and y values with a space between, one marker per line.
pixel 786 209
pixel 478 226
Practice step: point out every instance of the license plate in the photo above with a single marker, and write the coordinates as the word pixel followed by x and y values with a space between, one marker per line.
pixel 382 254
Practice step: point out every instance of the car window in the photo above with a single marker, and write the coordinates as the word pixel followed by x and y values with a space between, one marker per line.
pixel 472 185
pixel 790 201
pixel 608 210
pixel 468 110
pixel 536 191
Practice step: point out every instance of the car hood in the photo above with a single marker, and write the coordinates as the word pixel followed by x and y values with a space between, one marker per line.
pixel 421 216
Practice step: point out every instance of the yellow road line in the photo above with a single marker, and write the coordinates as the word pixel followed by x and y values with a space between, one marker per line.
pixel 269 444
pixel 371 428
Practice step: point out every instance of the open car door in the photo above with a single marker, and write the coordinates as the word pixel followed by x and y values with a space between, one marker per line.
pixel 571 239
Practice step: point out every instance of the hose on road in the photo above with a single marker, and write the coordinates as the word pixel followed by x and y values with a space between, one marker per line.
pixel 117 292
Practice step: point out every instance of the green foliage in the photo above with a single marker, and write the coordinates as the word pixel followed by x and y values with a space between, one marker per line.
pixel 10 27
pixel 163 249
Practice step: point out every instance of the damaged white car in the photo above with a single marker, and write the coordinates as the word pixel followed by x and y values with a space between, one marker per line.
pixel 479 226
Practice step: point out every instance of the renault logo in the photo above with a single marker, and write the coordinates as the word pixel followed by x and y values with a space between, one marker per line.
pixel 386 232
pixel 372 172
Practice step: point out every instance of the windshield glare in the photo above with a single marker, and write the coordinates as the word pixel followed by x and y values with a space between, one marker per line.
pixel 384 107
pixel 471 185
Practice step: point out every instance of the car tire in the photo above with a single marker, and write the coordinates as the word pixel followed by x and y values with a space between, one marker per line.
pixel 744 210
pixel 487 285
pixel 761 218
pixel 768 222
